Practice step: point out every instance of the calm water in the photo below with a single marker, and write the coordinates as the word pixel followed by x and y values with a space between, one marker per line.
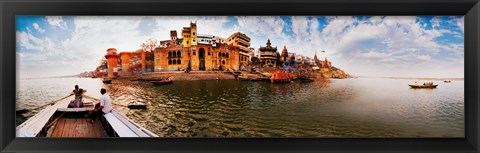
pixel 357 107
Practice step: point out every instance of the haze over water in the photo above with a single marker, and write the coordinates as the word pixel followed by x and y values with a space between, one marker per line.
pixel 355 107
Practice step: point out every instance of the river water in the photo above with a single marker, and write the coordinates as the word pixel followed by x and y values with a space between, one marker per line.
pixel 355 107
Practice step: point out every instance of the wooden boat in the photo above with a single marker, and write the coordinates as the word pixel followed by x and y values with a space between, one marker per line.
pixel 423 86
pixel 163 82
pixel 150 79
pixel 107 81
pixel 306 79
pixel 252 78
pixel 447 81
pixel 59 120
pixel 281 76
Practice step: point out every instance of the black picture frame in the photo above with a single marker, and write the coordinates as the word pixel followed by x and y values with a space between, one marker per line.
pixel 10 8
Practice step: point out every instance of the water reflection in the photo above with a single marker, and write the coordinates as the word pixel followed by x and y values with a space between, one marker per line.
pixel 362 107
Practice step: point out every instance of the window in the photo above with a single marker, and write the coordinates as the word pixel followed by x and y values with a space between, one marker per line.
pixel 174 62
pixel 219 54
pixel 169 62
pixel 226 55
pixel 208 53
pixel 179 61
pixel 187 42
pixel 179 54
pixel 194 33
pixel 193 53
pixel 223 54
pixel 169 54
pixel 193 40
pixel 223 62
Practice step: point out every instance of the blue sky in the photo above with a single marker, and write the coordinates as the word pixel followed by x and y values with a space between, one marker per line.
pixel 401 46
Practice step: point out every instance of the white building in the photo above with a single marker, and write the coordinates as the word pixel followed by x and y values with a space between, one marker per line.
pixel 206 39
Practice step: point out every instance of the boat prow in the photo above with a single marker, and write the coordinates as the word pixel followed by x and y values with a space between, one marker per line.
pixel 59 120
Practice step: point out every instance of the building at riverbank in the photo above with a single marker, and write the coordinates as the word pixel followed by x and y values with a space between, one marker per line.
pixel 268 54
pixel 241 41
pixel 200 52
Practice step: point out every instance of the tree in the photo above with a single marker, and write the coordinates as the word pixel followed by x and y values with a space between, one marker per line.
pixel 149 45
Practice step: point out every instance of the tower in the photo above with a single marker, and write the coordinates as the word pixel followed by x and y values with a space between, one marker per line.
pixel 284 56
pixel 125 56
pixel 193 34
pixel 112 60
pixel 173 35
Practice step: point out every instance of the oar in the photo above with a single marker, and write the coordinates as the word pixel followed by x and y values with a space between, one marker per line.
pixel 136 106
pixel 22 111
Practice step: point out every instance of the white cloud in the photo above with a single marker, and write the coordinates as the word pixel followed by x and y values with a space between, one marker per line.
pixel 382 46
pixel 435 22
pixel 56 21
pixel 38 28
pixel 44 45
pixel 424 57
pixel 461 23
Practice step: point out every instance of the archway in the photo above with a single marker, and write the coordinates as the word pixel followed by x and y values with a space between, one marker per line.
pixel 201 57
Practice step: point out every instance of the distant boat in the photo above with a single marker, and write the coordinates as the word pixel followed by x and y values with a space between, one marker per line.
pixel 107 81
pixel 150 79
pixel 423 86
pixel 305 79
pixel 162 82
pixel 447 81
pixel 281 77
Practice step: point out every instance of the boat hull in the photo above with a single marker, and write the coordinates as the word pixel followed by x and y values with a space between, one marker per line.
pixel 422 86
pixel 50 121
pixel 163 82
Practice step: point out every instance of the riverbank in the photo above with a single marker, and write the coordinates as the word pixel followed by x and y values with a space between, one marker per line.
pixel 226 75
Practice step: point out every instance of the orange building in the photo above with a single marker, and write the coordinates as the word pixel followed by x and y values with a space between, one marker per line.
pixel 199 57
pixel 188 54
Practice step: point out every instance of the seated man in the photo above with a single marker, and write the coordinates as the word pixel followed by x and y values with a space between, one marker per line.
pixel 78 99
pixel 105 106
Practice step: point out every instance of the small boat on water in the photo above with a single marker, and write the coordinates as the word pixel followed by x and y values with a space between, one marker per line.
pixel 107 81
pixel 163 82
pixel 150 79
pixel 306 79
pixel 281 76
pixel 447 81
pixel 58 120
pixel 423 85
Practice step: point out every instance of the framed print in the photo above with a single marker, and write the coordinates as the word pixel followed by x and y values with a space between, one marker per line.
pixel 217 76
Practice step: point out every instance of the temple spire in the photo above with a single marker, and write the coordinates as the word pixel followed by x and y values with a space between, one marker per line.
pixel 268 42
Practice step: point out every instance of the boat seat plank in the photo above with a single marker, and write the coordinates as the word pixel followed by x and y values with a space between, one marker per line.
pixel 120 128
pixel 84 109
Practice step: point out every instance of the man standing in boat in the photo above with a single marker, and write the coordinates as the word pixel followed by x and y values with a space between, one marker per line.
pixel 105 106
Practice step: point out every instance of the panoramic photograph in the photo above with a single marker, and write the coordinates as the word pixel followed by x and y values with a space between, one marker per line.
pixel 240 76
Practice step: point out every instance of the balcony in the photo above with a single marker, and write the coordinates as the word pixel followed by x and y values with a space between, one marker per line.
pixel 243 41
pixel 243 48
pixel 243 53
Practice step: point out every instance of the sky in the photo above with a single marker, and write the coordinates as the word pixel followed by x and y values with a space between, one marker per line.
pixel 382 46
